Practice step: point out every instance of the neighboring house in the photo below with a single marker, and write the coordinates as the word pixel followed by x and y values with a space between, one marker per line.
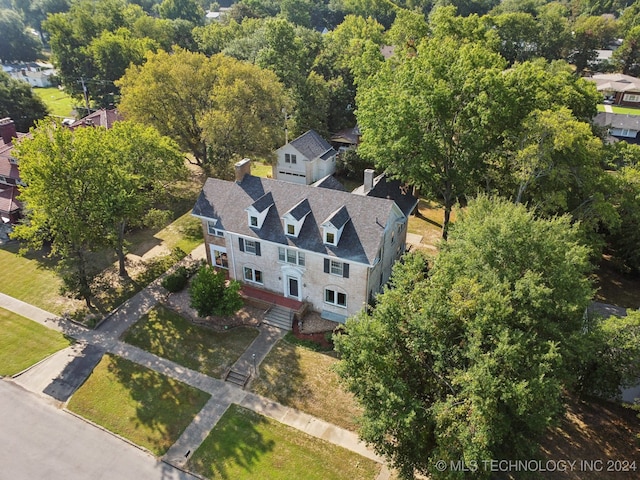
pixel 624 127
pixel 332 249
pixel 618 88
pixel 36 74
pixel 10 207
pixel 347 138
pixel 305 160
pixel 9 173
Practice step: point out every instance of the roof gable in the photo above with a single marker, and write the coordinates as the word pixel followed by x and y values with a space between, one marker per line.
pixel 311 145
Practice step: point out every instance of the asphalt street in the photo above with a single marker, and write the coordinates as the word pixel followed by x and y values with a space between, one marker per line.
pixel 41 441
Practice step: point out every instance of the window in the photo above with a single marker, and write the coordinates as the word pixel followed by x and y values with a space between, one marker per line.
pixel 252 275
pixel 291 229
pixel 289 158
pixel 330 238
pixel 336 298
pixel 336 268
pixel 393 236
pixel 628 97
pixel 250 246
pixel 253 221
pixel 291 256
pixel 219 257
pixel 211 228
pixel 3 180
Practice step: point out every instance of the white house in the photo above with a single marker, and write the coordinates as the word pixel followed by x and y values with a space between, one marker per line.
pixel 312 243
pixel 305 160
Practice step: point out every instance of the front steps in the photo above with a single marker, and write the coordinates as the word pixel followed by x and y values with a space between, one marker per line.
pixel 236 378
pixel 280 317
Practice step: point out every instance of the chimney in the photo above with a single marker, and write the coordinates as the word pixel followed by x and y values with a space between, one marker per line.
pixel 368 180
pixel 8 130
pixel 243 167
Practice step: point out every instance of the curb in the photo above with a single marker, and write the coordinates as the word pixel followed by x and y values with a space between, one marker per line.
pixel 75 341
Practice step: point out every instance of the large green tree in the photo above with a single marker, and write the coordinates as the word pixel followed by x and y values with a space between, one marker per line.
pixel 17 44
pixel 215 108
pixel 18 102
pixel 432 118
pixel 466 363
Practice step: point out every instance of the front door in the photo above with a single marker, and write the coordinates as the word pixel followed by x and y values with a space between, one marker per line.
pixel 293 287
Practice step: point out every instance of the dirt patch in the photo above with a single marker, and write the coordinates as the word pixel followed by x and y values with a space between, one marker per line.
pixel 315 329
pixel 247 315
pixel 599 434
pixel 616 288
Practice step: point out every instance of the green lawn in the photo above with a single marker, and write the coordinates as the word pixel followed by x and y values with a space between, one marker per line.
pixel 32 279
pixel 245 445
pixel 148 408
pixel 303 379
pixel 261 169
pixel 24 342
pixel 170 336
pixel 622 110
pixel 60 104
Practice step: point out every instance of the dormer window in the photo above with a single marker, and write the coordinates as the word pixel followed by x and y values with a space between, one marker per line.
pixel 294 218
pixel 257 212
pixel 330 238
pixel 333 226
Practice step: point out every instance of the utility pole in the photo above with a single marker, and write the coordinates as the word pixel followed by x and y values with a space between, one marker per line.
pixel 286 130
pixel 86 95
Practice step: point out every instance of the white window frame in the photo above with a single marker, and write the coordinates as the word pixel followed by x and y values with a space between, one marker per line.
pixel 630 97
pixel 287 254
pixel 332 297
pixel 221 251
pixel 250 247
pixel 326 238
pixel 212 230
pixel 336 268
pixel 292 227
pixel 253 275
pixel 253 221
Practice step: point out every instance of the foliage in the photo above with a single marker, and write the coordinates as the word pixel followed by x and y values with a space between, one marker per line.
pixel 351 164
pixel 210 294
pixel 188 10
pixel 590 33
pixel 610 356
pixel 625 236
pixel 176 281
pixel 468 363
pixel 20 103
pixel 17 43
pixel 215 108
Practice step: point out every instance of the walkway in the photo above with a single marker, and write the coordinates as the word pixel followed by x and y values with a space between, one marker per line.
pixel 106 339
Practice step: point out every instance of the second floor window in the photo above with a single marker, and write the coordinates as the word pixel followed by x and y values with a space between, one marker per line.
pixel 249 246
pixel 289 158
pixel 291 256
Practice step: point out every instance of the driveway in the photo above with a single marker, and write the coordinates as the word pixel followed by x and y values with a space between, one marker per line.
pixel 41 441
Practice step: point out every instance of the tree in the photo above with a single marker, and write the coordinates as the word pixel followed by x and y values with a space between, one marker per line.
pixel 142 166
pixel 590 34
pixel 627 55
pixel 64 173
pixel 519 33
pixel 421 118
pixel 624 237
pixel 188 10
pixel 18 102
pixel 214 107
pixel 555 35
pixel 467 362
pixel 211 295
pixel 17 43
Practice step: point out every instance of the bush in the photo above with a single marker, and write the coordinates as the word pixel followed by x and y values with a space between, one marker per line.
pixel 210 294
pixel 177 280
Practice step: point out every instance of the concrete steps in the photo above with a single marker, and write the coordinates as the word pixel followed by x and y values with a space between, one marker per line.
pixel 236 378
pixel 280 317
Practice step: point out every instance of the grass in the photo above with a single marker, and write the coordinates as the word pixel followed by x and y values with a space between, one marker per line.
pixel 621 110
pixel 24 342
pixel 303 379
pixel 427 222
pixel 60 104
pixel 32 279
pixel 245 445
pixel 261 169
pixel 168 335
pixel 148 408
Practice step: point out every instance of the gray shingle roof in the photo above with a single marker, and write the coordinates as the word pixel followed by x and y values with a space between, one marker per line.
pixel 338 218
pixel 361 237
pixel 300 210
pixel 263 202
pixel 311 145
pixel 329 182
pixel 618 120
pixel 394 190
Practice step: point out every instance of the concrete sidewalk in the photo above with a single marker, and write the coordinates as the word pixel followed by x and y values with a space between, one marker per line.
pixel 247 364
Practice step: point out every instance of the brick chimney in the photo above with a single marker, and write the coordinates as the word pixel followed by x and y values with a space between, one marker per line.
pixel 243 167
pixel 368 180
pixel 8 130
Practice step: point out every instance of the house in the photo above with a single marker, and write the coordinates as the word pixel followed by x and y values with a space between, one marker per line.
pixel 9 174
pixel 619 89
pixel 36 74
pixel 305 160
pixel 313 243
pixel 105 117
pixel 621 126
pixel 347 138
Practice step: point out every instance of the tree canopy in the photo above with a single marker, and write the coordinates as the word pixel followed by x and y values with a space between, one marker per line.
pixel 466 362
pixel 20 103
pixel 216 108
pixel 17 43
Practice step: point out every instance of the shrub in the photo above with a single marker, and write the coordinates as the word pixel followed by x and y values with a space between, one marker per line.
pixel 211 295
pixel 177 280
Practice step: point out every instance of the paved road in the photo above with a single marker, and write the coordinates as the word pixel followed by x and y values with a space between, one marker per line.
pixel 40 441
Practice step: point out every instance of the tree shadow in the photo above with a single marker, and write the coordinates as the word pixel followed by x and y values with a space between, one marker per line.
pixel 164 405
pixel 74 374
pixel 235 441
